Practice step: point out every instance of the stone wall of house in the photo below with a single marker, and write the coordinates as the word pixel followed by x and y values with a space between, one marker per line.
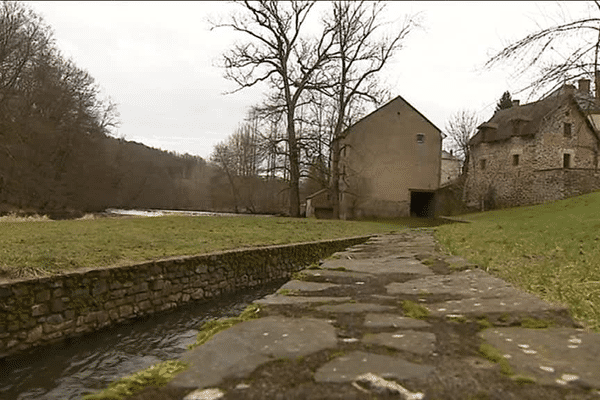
pixel 500 183
pixel 45 310
pixel 539 175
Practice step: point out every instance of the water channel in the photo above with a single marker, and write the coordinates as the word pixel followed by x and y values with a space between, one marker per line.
pixel 88 363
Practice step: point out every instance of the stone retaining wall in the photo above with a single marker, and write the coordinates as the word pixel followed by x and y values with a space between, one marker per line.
pixel 46 310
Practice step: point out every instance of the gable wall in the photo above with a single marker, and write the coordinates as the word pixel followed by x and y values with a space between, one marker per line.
pixel 383 161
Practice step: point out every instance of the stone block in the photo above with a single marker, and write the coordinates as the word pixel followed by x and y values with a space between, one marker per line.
pixel 5 292
pixel 141 297
pixel 57 305
pixel 117 294
pixel 157 285
pixel 125 311
pixel 145 305
pixel 114 314
pixel 58 292
pixel 39 309
pixel 198 294
pixel 55 319
pixel 14 326
pixel 185 297
pixel 69 314
pixel 115 285
pixel 42 296
pixel 99 288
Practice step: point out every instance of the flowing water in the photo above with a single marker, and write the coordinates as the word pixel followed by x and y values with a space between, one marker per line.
pixel 87 364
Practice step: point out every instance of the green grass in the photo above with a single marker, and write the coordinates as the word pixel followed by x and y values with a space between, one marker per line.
pixel 551 250
pixel 44 247
pixel 156 375
pixel 493 354
pixel 414 310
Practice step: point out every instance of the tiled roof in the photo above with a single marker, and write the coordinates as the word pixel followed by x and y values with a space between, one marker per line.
pixel 526 119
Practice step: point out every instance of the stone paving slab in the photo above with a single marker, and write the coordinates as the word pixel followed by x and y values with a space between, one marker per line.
pixel 331 274
pixel 411 341
pixel 348 367
pixel 237 351
pixel 381 266
pixel 513 302
pixel 299 300
pixel 393 321
pixel 305 286
pixel 558 356
pixel 469 283
pixel 353 307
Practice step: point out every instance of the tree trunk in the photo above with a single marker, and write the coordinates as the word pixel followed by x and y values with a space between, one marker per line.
pixel 335 177
pixel 294 168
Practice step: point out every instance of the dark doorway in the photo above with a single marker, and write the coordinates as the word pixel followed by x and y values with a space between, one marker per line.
pixel 422 204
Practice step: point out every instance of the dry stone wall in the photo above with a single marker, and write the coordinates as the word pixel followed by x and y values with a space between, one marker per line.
pixel 46 310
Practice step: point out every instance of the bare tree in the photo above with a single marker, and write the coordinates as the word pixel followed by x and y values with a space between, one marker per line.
pixel 561 52
pixel 362 49
pixel 460 128
pixel 279 53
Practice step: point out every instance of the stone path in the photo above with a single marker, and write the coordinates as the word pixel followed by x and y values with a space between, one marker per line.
pixel 345 331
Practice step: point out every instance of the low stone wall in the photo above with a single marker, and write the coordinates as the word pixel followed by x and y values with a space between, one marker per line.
pixel 42 311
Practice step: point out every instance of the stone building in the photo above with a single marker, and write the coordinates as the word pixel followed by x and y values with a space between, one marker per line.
pixel 537 152
pixel 390 164
pixel 451 167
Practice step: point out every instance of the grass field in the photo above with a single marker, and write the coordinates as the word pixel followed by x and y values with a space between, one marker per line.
pixel 38 247
pixel 552 250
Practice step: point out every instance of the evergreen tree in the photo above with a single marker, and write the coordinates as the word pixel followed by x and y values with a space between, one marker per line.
pixel 504 102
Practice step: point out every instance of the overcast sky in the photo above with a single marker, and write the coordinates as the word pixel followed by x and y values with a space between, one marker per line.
pixel 157 61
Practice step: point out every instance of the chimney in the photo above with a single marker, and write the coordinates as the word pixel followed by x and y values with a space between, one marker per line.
pixel 515 103
pixel 584 85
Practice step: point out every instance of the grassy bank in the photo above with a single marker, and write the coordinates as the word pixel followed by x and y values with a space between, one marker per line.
pixel 552 250
pixel 40 247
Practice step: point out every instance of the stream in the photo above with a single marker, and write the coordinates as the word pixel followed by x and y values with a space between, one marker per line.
pixel 86 364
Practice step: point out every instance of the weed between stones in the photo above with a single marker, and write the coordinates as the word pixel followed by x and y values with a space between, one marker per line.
pixel 493 354
pixel 156 375
pixel 534 323
pixel 414 310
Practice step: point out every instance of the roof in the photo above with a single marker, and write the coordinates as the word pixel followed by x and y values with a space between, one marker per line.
pixel 526 119
pixel 389 103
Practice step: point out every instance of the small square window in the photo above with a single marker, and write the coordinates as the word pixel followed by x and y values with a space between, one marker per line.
pixel 482 164
pixel 420 138
pixel 567 129
pixel 515 159
pixel 566 160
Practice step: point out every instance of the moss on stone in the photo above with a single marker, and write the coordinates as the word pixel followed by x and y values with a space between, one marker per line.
pixel 414 310
pixel 494 355
pixel 210 328
pixel 534 323
pixel 156 375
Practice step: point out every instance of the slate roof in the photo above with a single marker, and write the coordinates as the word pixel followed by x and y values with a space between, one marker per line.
pixel 526 119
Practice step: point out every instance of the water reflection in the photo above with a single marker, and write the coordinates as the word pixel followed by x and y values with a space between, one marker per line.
pixel 88 363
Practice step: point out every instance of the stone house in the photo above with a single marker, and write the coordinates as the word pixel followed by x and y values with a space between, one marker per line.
pixel 390 164
pixel 537 152
pixel 451 168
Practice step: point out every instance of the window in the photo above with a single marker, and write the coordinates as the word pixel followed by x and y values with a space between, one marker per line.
pixel 566 160
pixel 482 164
pixel 420 138
pixel 515 159
pixel 567 129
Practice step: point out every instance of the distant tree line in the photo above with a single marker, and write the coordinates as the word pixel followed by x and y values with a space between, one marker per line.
pixel 59 150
